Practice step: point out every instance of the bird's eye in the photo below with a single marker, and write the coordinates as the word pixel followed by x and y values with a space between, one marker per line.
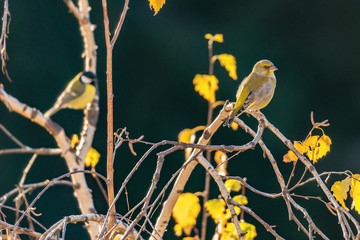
pixel 267 67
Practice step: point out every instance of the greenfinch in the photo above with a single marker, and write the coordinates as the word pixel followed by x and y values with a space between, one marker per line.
pixel 255 91
pixel 79 92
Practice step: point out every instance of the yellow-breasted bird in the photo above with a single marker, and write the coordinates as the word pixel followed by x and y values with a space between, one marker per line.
pixel 255 91
pixel 77 94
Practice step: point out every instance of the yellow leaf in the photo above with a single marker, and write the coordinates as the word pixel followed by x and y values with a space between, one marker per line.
pixel 92 157
pixel 229 63
pixel 216 208
pixel 249 229
pixel 208 36
pixel 74 141
pixel 156 5
pixel 232 185
pixel 240 199
pixel 186 210
pixel 229 232
pixel 234 126
pixel 290 156
pixel 217 37
pixel 340 190
pixel 318 147
pixel 206 85
pixel 300 147
pixel 186 136
pixel 355 191
pixel 220 159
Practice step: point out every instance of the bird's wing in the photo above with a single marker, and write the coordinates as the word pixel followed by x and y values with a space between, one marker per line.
pixel 73 90
pixel 243 94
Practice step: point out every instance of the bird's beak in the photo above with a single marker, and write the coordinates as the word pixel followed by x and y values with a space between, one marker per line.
pixel 273 68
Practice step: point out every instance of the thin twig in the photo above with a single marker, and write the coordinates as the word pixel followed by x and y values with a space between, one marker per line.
pixel 12 137
pixel 120 23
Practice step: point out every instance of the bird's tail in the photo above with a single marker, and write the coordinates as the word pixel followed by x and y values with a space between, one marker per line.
pixel 230 120
pixel 51 111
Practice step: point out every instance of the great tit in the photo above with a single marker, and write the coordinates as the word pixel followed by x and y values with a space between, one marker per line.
pixel 78 93
pixel 255 91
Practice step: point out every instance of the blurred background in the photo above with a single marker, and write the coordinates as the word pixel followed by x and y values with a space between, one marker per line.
pixel 314 44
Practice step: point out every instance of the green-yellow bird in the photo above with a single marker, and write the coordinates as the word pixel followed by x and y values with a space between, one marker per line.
pixel 255 91
pixel 78 93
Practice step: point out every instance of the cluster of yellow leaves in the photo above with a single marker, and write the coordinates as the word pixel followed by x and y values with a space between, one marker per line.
pixel 188 135
pixel 185 212
pixel 156 5
pixel 341 189
pixel 315 147
pixel 92 157
pixel 222 215
pixel 207 85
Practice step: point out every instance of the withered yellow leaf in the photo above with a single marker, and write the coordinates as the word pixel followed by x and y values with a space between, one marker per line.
pixel 318 147
pixel 219 38
pixel 186 210
pixel 156 5
pixel 221 160
pixel 74 140
pixel 340 190
pixel 249 229
pixel 232 185
pixel 216 209
pixel 240 199
pixel 186 136
pixel 229 63
pixel 355 191
pixel 229 232
pixel 220 157
pixel 92 157
pixel 290 156
pixel 206 85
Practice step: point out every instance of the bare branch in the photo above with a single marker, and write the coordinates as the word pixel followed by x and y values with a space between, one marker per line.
pixel 4 36
pixel 38 151
pixel 17 230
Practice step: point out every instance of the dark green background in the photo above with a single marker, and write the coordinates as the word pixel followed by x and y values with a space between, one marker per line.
pixel 315 45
